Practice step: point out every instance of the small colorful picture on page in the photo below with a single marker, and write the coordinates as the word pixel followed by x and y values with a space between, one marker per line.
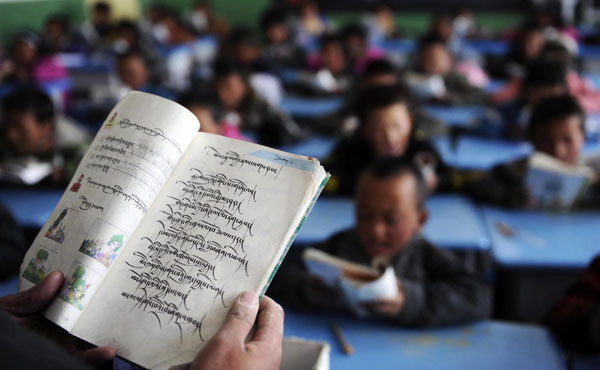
pixel 78 283
pixel 103 242
pixel 61 224
pixel 39 265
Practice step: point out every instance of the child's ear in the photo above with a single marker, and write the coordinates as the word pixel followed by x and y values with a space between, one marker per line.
pixel 423 216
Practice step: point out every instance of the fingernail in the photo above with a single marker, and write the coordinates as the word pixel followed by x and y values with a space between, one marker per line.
pixel 248 299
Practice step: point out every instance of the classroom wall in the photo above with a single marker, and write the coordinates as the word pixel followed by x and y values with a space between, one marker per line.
pixel 15 15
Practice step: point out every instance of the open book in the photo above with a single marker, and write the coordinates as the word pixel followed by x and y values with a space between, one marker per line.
pixel 555 185
pixel 359 283
pixel 162 227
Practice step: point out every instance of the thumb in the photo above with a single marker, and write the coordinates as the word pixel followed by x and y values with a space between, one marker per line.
pixel 241 317
pixel 33 299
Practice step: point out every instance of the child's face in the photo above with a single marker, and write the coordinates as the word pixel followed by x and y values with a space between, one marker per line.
pixel 26 134
pixel 387 214
pixel 356 46
pixel 207 122
pixel 563 139
pixel 277 33
pixel 532 44
pixel 387 130
pixel 133 72
pixel 332 57
pixel 231 91
pixel 435 60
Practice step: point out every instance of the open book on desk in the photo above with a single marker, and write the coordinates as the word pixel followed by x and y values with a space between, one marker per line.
pixel 162 227
pixel 555 185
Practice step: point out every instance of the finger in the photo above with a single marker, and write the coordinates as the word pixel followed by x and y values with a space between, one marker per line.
pixel 99 355
pixel 269 331
pixel 36 298
pixel 240 318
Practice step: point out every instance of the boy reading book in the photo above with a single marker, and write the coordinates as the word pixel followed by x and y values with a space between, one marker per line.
pixel 556 130
pixel 167 227
pixel 433 286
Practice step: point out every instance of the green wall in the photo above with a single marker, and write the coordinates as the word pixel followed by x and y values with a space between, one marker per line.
pixel 31 13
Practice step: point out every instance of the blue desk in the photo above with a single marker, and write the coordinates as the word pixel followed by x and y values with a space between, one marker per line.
pixel 477 153
pixel 543 239
pixel 456 116
pixel 30 208
pixel 489 47
pixel 589 52
pixel 398 46
pixel 453 222
pixel 486 345
pixel 494 85
pixel 317 146
pixel 311 108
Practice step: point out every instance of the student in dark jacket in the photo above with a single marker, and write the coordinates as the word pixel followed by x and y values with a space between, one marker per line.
pixel 556 128
pixel 385 129
pixel 434 287
pixel 575 318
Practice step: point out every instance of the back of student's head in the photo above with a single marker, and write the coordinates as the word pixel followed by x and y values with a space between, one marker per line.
pixel 545 77
pixel 554 50
pixel 557 127
pixel 379 72
pixel 29 99
pixel 28 121
pixel 389 167
pixel 272 17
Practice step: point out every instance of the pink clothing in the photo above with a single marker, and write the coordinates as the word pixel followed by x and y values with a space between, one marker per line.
pixel 233 132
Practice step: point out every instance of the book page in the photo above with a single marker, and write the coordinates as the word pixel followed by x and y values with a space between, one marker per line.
pixel 117 180
pixel 219 227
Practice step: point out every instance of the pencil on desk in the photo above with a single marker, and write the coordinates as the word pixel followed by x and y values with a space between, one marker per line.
pixel 347 347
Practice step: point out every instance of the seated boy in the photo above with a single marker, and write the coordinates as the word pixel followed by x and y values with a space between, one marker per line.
pixel 556 127
pixel 133 72
pixel 436 80
pixel 385 129
pixel 39 146
pixel 434 287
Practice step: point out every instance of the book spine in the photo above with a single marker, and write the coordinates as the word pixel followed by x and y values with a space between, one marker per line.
pixel 293 237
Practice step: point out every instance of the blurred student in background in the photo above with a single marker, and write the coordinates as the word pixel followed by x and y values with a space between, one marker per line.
pixel 310 25
pixel 433 286
pixel 40 147
pixel 575 318
pixel 204 20
pixel 360 52
pixel 201 104
pixel 98 30
pixel 279 44
pixel 544 78
pixel 133 72
pixel 435 79
pixel 241 106
pixel 557 128
pixel 58 37
pixel 386 128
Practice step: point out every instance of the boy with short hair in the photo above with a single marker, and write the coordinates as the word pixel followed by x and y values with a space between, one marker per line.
pixel 385 129
pixel 434 287
pixel 39 147
pixel 557 128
